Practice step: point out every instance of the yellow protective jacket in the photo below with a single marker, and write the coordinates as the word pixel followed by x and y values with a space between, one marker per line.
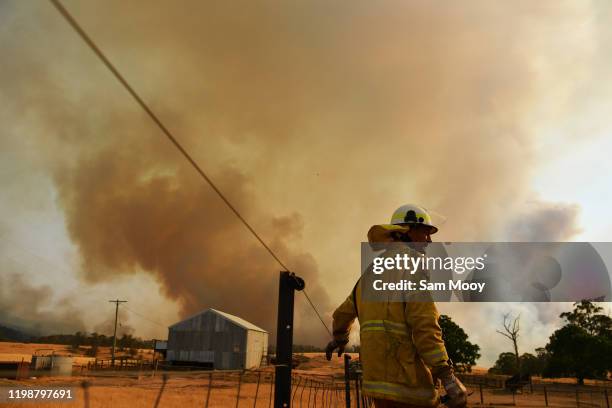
pixel 399 341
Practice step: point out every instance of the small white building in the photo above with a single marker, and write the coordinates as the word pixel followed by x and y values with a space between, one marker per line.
pixel 217 340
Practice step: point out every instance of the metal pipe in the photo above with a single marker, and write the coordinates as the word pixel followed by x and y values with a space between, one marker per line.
pixel 347 381
pixel 288 284
pixel 357 391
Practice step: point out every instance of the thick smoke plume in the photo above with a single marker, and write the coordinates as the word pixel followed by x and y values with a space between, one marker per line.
pixel 545 222
pixel 125 217
pixel 27 308
pixel 316 119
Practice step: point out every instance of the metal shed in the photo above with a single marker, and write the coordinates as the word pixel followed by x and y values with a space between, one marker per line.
pixel 217 340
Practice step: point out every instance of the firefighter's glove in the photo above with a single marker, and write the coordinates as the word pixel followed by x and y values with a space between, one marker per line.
pixel 456 393
pixel 333 345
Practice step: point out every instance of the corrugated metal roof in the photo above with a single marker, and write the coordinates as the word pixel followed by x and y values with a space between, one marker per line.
pixel 239 321
pixel 235 319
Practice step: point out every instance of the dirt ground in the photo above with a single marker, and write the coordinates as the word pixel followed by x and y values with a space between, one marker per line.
pixel 313 382
pixel 191 391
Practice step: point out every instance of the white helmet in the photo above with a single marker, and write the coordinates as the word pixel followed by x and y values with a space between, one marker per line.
pixel 413 214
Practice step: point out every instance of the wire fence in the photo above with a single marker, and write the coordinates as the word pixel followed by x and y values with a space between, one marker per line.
pixel 491 391
pixel 498 381
pixel 256 389
pixel 145 388
pixel 235 389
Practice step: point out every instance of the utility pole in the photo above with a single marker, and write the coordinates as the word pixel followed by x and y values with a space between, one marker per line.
pixel 116 302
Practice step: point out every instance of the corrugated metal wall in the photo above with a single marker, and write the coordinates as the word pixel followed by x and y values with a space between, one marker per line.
pixel 208 338
pixel 257 348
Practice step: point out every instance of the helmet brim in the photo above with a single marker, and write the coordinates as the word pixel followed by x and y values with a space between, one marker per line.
pixel 432 229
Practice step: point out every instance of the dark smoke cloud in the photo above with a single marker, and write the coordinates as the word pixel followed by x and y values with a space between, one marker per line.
pixel 545 222
pixel 316 119
pixel 32 309
pixel 129 213
pixel 123 327
pixel 131 203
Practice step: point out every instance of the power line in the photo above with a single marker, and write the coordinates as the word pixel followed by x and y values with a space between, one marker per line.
pixel 73 23
pixel 144 317
pixel 317 312
pixel 158 122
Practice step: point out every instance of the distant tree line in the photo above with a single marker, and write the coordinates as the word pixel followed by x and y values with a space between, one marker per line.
pixel 582 348
pixel 305 348
pixel 298 348
pixel 12 334
pixel 95 340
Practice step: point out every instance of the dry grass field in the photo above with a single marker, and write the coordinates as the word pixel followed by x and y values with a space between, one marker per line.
pixel 18 351
pixel 10 351
pixel 312 387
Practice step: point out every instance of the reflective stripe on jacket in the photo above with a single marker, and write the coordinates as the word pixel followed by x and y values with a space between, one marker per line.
pixel 399 341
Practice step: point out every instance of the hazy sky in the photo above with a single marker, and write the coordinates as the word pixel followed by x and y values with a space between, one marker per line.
pixel 317 119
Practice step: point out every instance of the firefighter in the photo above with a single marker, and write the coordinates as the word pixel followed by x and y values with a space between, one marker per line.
pixel 402 351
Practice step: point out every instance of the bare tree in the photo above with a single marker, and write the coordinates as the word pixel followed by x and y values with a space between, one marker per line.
pixel 511 331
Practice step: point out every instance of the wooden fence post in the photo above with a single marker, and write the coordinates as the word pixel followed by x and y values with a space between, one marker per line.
pixel 545 396
pixel 577 398
pixel 257 389
pixel 239 386
pixel 271 389
pixel 85 386
pixel 161 390
pixel 209 389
